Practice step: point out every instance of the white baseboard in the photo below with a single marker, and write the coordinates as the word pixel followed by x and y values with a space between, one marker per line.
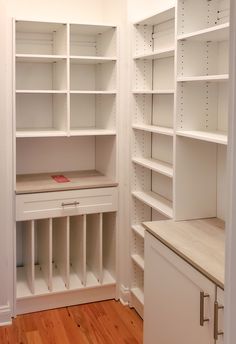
pixel 5 315
pixel 124 295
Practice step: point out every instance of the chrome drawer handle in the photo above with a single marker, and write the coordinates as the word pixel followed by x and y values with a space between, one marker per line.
pixel 202 298
pixel 217 333
pixel 75 203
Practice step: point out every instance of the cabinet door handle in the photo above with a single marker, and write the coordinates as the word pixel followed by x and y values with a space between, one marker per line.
pixel 217 333
pixel 75 203
pixel 202 302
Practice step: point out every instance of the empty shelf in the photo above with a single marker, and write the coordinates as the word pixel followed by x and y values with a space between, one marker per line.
pixel 92 132
pixel 139 230
pixel 39 58
pixel 220 77
pixel 153 91
pixel 138 293
pixel 155 201
pixel 42 91
pixel 41 132
pixel 156 54
pixel 138 260
pixel 92 92
pixel 155 165
pixel 91 59
pixel 154 129
pixel 158 18
pixel 209 136
pixel 214 34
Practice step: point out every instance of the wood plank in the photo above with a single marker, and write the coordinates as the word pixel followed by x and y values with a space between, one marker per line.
pixel 33 183
pixel 107 322
pixel 200 242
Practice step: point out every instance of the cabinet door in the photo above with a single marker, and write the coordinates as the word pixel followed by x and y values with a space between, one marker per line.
pixel 219 317
pixel 172 299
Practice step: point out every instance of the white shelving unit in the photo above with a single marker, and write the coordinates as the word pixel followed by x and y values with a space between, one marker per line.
pixel 152 134
pixel 66 124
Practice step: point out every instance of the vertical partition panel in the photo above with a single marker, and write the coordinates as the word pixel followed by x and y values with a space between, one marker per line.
pixel 61 253
pixel 43 268
pixel 94 248
pixel 77 251
pixel 109 247
pixel 28 253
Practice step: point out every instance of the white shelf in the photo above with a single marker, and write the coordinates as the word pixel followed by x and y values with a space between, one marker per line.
pixel 214 34
pixel 219 137
pixel 41 287
pixel 139 230
pixel 92 132
pixel 220 77
pixel 41 91
pixel 92 92
pixel 138 260
pixel 39 58
pixel 153 92
pixel 138 293
pixel 108 279
pixel 156 54
pixel 91 59
pixel 23 289
pixel 20 133
pixel 155 165
pixel 157 18
pixel 155 201
pixel 154 129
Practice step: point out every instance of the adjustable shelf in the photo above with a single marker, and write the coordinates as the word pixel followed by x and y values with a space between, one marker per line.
pixel 215 137
pixel 33 58
pixel 155 165
pixel 158 18
pixel 155 201
pixel 156 54
pixel 210 78
pixel 91 60
pixel 153 92
pixel 139 230
pixel 214 34
pixel 137 259
pixel 154 129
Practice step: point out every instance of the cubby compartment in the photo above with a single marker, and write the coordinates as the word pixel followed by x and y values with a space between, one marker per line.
pixel 94 250
pixel 41 115
pixel 93 77
pixel 155 76
pixel 201 15
pixel 207 58
pixel 41 76
pixel 25 270
pixel 137 251
pixel 78 251
pixel 202 111
pixel 91 113
pixel 154 38
pixel 109 244
pixel 205 164
pixel 93 40
pixel 40 38
pixel 153 189
pixel 60 253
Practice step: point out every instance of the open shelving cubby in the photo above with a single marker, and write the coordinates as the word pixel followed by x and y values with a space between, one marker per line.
pixel 152 134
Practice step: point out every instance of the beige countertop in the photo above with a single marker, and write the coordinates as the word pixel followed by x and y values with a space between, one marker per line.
pixel 199 242
pixel 33 183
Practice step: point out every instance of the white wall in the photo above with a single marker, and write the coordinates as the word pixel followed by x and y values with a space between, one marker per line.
pixel 138 9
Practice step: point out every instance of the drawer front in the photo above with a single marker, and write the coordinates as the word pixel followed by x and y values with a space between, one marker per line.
pixel 65 203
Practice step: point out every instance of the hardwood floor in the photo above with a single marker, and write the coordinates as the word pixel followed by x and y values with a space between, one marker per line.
pixel 106 322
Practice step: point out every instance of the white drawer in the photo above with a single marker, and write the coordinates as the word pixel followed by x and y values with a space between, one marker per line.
pixel 65 203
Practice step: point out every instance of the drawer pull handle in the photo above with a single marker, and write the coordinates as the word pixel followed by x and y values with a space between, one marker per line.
pixel 202 300
pixel 217 333
pixel 69 204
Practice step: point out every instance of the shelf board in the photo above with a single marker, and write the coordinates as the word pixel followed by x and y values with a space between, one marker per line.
pixel 22 289
pixel 138 293
pixel 155 201
pixel 138 260
pixel 215 34
pixel 92 132
pixel 157 18
pixel 156 54
pixel 40 132
pixel 91 59
pixel 139 230
pixel 39 58
pixel 91 29
pixel 92 92
pixel 155 165
pixel 108 279
pixel 154 129
pixel 41 287
pixel 43 182
pixel 220 77
pixel 153 91
pixel 219 137
pixel 42 91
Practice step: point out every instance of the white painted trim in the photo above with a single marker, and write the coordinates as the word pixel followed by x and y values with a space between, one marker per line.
pixel 124 295
pixel 230 285
pixel 5 315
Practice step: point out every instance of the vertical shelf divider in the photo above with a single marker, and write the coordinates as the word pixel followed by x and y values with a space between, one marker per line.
pixel 28 254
